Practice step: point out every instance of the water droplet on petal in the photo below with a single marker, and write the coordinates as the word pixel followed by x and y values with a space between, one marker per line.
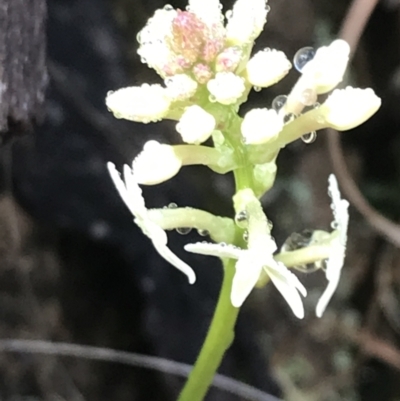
pixel 308 97
pixel 270 224
pixel 246 235
pixel 229 14
pixel 279 102
pixel 288 118
pixel 168 7
pixel 302 240
pixel 302 57
pixel 172 205
pixel 334 225
pixel 212 98
pixel 183 230
pixel 242 218
pixel 203 233
pixel 309 138
pixel 257 88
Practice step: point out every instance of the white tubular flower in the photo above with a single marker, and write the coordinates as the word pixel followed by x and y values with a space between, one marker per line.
pixel 347 108
pixel 153 46
pixel 209 11
pixel 261 126
pixel 267 67
pixel 328 66
pixel 131 194
pixel 338 244
pixel 156 163
pixel 226 87
pixel 180 87
pixel 246 22
pixel 146 103
pixel 195 125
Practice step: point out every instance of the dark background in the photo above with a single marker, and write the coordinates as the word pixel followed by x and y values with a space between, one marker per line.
pixel 74 268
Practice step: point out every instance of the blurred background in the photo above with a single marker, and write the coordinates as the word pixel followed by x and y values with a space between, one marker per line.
pixel 74 268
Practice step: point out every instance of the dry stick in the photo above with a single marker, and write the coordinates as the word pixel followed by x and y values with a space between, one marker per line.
pixel 132 359
pixel 352 28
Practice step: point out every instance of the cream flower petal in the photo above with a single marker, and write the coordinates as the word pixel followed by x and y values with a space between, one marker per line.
pixel 338 244
pixel 131 194
pixel 289 286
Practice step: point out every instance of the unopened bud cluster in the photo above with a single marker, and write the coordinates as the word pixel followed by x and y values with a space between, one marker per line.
pixel 205 61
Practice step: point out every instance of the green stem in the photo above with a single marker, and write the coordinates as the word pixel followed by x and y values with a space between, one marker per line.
pixel 219 338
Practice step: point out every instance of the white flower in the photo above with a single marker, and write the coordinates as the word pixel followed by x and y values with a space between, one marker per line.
pixel 260 126
pixel 131 194
pixel 209 11
pixel 195 125
pixel 338 244
pixel 328 66
pixel 258 257
pixel 226 87
pixel 146 103
pixel 267 67
pixel 180 87
pixel 156 163
pixel 347 108
pixel 246 21
pixel 249 266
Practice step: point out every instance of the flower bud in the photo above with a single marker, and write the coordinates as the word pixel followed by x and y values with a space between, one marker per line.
pixel 267 67
pixel 195 125
pixel 260 126
pixel 247 21
pixel 226 87
pixel 146 103
pixel 328 66
pixel 155 164
pixel 180 87
pixel 347 108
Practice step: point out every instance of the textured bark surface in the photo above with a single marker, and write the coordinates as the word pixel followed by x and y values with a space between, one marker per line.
pixel 23 74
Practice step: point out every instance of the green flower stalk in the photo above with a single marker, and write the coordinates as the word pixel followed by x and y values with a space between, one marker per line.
pixel 205 61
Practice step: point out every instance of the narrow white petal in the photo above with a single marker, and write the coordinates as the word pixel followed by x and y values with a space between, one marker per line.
pixel 247 274
pixel 327 295
pixel 220 250
pixel 289 286
pixel 170 257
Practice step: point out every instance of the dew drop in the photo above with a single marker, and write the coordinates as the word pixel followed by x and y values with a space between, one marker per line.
pixel 309 138
pixel 279 102
pixel 168 7
pixel 289 118
pixel 203 233
pixel 308 97
pixel 183 230
pixel 172 205
pixel 242 218
pixel 267 8
pixel 246 235
pixel 302 57
pixel 302 240
pixel 257 88
pixel 334 225
pixel 212 98
pixel 270 224
pixel 229 14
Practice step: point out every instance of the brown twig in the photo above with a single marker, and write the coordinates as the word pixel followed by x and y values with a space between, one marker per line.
pixel 352 29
